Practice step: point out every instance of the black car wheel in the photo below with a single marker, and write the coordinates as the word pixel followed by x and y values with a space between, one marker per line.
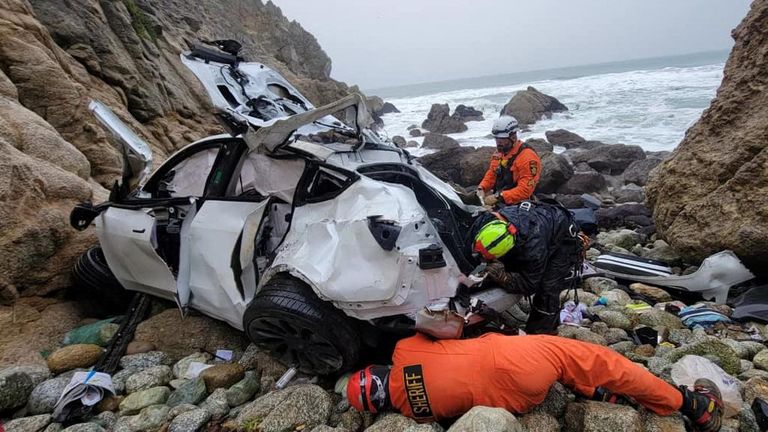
pixel 94 283
pixel 299 329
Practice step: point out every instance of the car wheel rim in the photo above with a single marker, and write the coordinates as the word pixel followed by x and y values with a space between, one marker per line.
pixel 295 343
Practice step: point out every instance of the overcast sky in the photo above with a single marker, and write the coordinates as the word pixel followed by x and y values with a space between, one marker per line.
pixel 385 43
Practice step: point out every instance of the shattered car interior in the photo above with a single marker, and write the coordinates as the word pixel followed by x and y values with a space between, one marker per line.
pixel 304 231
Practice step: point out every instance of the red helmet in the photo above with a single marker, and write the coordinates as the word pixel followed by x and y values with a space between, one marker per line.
pixel 367 389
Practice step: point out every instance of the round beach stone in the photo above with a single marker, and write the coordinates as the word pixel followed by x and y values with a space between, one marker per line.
pixel 190 421
pixel 73 357
pixel 15 387
pixel 135 402
pixel 222 376
pixel 43 398
pixel 151 377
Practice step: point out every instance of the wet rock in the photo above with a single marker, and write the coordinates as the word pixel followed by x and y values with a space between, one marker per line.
pixel 623 238
pixel 145 360
pixel 73 357
pixel 439 121
pixel 106 420
pixel 657 295
pixel 610 158
pixel 623 347
pixel 15 387
pixel 222 376
pixel 135 402
pixel 414 133
pixel 728 359
pixel 98 333
pixel 395 422
pixel 584 296
pixel 630 193
pixel 637 172
pixel 747 420
pixel 139 347
pixel 662 251
pixel 191 392
pixel 601 417
pixel 755 387
pixel 580 333
pixel 538 422
pixel 150 418
pixel 599 284
pixel 615 319
pixel 540 146
pixel 439 142
pixel 657 317
pixel 189 421
pixel 300 404
pixel 554 404
pixel 118 379
pixel 656 423
pixel 564 138
pixel 659 366
pixel 37 373
pixel 481 419
pixel 43 398
pixel 244 390
pixel 28 424
pixel 216 404
pixel 616 297
pixel 84 427
pixel 530 105
pixel 411 144
pixel 468 113
pixel 181 366
pixel 582 182
pixel 398 141
pixel 555 172
pixel 178 337
pixel 761 360
pixel 150 377
pixel 624 215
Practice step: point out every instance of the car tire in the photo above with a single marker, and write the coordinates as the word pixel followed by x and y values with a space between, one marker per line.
pixel 288 319
pixel 94 284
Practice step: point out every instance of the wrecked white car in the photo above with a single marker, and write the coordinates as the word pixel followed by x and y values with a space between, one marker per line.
pixel 308 234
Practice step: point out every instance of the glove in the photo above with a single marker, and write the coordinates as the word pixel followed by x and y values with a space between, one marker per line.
pixel 491 200
pixel 497 273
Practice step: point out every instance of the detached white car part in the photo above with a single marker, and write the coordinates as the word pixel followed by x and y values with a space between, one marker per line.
pixel 299 229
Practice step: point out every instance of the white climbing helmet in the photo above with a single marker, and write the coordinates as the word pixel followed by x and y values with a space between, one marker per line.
pixel 504 126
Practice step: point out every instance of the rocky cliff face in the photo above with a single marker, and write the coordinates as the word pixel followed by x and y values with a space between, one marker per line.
pixel 712 193
pixel 55 56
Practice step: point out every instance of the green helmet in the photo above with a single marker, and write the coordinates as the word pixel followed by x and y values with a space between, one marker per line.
pixel 495 239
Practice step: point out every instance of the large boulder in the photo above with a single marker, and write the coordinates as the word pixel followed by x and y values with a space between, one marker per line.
pixel 583 182
pixel 178 337
pixel 625 215
pixel 610 158
pixel 601 417
pixel 555 172
pixel 485 419
pixel 564 138
pixel 468 113
pixel 712 193
pixel 463 165
pixel 439 142
pixel 530 105
pixel 440 121
pixel 637 172
pixel 540 146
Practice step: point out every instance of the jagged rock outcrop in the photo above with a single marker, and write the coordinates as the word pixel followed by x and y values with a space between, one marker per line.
pixel 439 120
pixel 564 138
pixel 712 193
pixel 530 105
pixel 56 56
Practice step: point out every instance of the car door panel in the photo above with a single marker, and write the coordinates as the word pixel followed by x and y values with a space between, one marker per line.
pixel 215 235
pixel 128 239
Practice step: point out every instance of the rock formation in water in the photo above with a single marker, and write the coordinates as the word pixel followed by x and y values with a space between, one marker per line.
pixel 712 193
pixel 55 56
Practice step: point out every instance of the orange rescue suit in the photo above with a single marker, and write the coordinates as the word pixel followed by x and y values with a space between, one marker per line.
pixel 442 379
pixel 517 180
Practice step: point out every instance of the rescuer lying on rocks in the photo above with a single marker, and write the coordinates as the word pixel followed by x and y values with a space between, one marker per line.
pixel 432 380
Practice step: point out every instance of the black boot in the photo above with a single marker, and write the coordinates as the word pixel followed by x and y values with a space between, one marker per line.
pixel 703 405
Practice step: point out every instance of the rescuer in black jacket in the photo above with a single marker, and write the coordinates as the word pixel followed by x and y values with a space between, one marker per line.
pixel 533 249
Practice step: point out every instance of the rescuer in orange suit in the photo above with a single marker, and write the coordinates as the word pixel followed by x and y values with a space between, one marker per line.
pixel 433 380
pixel 515 168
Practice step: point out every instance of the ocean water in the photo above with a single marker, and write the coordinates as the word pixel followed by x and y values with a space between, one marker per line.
pixel 650 103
